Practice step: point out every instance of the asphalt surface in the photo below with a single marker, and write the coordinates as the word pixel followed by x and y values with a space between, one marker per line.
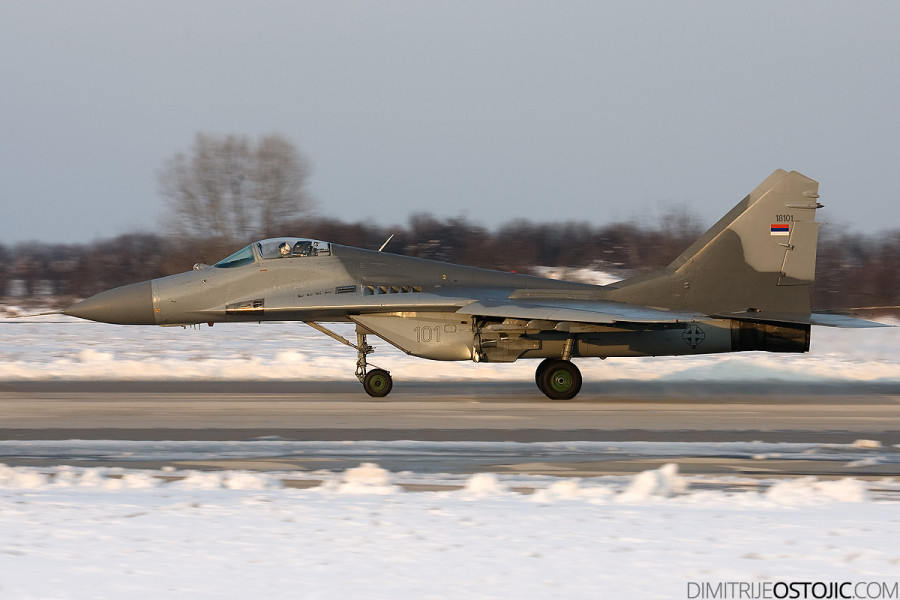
pixel 696 415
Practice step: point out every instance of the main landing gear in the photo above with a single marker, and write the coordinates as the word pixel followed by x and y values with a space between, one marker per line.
pixel 558 379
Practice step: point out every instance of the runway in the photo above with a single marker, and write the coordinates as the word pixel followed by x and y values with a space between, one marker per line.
pixel 803 429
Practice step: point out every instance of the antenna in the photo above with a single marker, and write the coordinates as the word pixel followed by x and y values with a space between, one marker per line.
pixel 386 242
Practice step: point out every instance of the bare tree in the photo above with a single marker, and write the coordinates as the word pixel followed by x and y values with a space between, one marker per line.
pixel 4 271
pixel 231 190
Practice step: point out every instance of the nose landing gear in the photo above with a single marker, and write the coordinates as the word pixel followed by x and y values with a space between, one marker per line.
pixel 377 382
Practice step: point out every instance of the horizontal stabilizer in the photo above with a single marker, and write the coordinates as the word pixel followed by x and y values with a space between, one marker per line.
pixel 838 320
pixel 827 319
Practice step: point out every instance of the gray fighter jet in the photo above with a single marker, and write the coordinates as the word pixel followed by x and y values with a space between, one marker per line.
pixel 744 285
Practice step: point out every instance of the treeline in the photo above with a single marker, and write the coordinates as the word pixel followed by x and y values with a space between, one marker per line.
pixel 852 269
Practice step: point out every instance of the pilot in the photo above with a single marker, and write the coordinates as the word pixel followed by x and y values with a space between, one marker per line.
pixel 303 249
pixel 284 249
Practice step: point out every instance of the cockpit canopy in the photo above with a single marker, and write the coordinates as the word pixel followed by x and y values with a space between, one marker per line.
pixel 291 248
pixel 275 248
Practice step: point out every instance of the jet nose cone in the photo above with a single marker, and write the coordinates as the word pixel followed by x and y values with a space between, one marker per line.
pixel 126 305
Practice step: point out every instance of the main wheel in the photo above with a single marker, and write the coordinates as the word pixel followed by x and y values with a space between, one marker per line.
pixel 560 380
pixel 539 372
pixel 378 383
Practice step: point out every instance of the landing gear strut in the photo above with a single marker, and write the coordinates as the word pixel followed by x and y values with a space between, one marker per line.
pixel 377 382
pixel 558 379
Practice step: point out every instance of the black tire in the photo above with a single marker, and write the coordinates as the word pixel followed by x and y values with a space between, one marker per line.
pixel 539 372
pixel 560 380
pixel 378 383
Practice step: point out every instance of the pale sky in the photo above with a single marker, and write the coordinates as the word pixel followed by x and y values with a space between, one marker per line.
pixel 493 111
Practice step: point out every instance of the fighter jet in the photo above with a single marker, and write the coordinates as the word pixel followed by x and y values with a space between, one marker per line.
pixel 744 285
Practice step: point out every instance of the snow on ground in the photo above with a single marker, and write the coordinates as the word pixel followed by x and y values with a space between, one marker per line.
pixel 861 453
pixel 58 347
pixel 72 533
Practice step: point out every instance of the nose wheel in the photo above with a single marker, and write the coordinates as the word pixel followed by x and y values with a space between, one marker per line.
pixel 558 379
pixel 377 383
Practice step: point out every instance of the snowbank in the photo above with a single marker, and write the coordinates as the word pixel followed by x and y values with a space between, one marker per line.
pixel 112 533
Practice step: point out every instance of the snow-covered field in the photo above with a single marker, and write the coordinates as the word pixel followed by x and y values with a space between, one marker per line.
pixel 64 348
pixel 112 533
pixel 77 533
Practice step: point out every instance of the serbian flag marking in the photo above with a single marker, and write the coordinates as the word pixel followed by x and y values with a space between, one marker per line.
pixel 781 229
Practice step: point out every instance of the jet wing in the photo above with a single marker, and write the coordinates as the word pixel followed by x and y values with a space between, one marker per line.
pixel 581 311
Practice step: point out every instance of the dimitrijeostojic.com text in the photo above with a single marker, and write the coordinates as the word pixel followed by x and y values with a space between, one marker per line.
pixel 793 590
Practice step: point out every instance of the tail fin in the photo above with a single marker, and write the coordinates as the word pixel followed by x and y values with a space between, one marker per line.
pixel 758 259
